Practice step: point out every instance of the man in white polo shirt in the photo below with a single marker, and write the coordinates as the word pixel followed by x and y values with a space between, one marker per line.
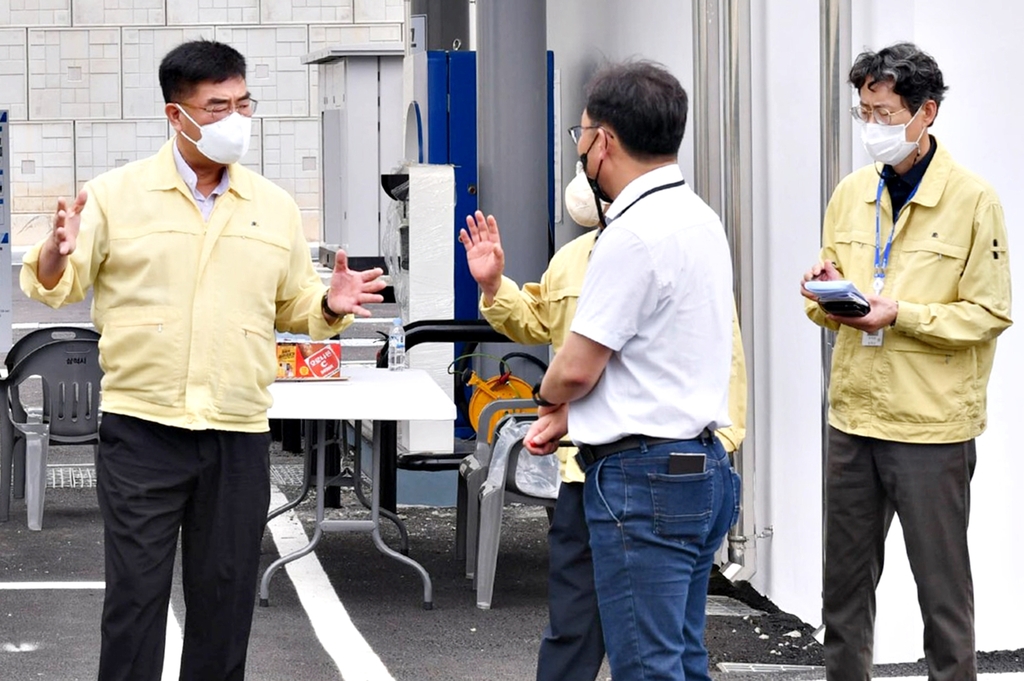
pixel 642 380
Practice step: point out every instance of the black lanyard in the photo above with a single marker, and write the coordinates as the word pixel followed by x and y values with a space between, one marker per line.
pixel 653 190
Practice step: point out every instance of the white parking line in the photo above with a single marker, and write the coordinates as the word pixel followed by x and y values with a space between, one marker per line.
pixel 41 586
pixel 172 648
pixel 339 637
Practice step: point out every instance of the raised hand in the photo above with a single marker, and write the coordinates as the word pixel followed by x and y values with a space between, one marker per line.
pixel 350 290
pixel 483 251
pixel 66 224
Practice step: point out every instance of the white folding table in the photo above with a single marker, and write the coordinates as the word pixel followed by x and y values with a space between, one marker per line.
pixel 367 394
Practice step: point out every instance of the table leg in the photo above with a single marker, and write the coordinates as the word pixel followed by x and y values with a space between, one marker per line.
pixel 375 507
pixel 321 448
pixel 389 465
pixel 357 485
pixel 303 492
pixel 6 456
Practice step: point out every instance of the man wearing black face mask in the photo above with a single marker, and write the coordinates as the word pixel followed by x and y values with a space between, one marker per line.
pixel 194 261
pixel 642 380
pixel 907 394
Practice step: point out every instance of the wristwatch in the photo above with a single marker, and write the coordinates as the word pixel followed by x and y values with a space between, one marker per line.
pixel 326 309
pixel 538 400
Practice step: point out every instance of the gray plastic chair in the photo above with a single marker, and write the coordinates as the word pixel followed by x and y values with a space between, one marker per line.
pixel 70 373
pixel 472 474
pixel 501 487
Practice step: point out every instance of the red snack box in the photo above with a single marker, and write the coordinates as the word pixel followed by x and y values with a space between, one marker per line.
pixel 308 361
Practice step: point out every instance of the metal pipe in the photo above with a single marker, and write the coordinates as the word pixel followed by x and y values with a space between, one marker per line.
pixel 835 162
pixel 707 103
pixel 737 214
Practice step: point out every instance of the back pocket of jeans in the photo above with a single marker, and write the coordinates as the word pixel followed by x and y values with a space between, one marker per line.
pixel 682 504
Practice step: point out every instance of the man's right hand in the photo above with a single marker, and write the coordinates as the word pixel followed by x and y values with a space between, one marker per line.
pixel 66 223
pixel 822 271
pixel 53 257
pixel 483 252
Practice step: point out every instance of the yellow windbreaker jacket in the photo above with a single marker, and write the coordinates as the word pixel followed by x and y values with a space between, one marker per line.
pixel 187 309
pixel 949 269
pixel 542 313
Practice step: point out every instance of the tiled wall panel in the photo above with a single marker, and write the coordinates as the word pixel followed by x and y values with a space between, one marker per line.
pixel 100 145
pixel 213 12
pixel 35 12
pixel 142 50
pixel 276 75
pixel 42 170
pixel 80 80
pixel 118 12
pixel 74 73
pixel 305 11
pixel 13 79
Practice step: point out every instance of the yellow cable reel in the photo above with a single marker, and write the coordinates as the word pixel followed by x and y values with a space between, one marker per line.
pixel 501 387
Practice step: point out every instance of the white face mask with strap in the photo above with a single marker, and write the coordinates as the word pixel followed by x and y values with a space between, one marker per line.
pixel 580 202
pixel 888 143
pixel 225 141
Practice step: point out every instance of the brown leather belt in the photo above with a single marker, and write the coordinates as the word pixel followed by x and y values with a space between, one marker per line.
pixel 590 454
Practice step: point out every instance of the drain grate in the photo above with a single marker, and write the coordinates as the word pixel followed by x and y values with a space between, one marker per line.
pixel 730 607
pixel 83 476
pixel 743 667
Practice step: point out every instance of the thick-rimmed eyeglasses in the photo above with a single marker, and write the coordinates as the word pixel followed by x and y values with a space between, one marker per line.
pixel 576 131
pixel 246 107
pixel 878 114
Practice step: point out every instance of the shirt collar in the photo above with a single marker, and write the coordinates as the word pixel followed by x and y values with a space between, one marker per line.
pixel 192 180
pixel 912 177
pixel 666 174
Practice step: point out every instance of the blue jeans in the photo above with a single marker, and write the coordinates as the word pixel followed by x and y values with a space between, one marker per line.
pixel 654 537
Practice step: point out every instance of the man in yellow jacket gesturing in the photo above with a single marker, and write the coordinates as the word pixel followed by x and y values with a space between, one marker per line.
pixel 925 240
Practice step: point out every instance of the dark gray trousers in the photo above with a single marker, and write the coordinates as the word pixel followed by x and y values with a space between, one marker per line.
pixel 214 487
pixel 928 487
pixel 573 645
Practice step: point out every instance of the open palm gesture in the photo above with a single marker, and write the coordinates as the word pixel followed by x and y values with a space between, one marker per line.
pixel 483 251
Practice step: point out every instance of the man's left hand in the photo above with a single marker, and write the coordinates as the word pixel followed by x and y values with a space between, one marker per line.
pixel 882 314
pixel 350 290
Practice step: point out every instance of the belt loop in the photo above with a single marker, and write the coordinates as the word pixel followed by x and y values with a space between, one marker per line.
pixel 705 436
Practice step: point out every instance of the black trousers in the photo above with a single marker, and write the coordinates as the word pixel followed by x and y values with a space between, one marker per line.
pixel 214 487
pixel 573 645
pixel 929 487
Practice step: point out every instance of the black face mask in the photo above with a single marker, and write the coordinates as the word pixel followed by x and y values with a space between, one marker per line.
pixel 599 194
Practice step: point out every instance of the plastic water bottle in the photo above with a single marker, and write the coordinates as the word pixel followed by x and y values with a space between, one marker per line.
pixel 396 346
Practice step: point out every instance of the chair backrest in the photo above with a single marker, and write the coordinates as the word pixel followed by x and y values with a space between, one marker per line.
pixel 70 372
pixel 39 337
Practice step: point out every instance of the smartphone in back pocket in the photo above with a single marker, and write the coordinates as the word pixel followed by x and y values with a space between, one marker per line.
pixel 685 464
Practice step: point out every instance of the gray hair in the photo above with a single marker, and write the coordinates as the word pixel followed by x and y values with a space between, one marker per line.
pixel 914 74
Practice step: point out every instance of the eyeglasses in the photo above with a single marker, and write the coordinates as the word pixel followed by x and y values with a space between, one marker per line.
pixel 576 131
pixel 246 107
pixel 879 114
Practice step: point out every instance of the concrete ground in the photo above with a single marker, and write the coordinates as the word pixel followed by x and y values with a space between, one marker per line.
pixel 343 612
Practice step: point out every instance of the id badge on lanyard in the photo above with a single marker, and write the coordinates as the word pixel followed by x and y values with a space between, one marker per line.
pixel 882 256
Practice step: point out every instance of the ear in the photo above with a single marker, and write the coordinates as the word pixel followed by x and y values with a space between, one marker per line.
pixel 931 110
pixel 173 114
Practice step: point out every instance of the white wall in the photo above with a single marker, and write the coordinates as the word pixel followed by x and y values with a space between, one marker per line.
pixel 584 34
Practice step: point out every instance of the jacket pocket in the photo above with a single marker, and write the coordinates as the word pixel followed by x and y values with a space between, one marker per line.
pixel 246 366
pixel 925 384
pixel 683 504
pixel 934 269
pixel 144 353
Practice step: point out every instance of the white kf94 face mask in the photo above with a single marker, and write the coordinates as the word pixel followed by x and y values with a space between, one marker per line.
pixel 580 202
pixel 225 141
pixel 888 143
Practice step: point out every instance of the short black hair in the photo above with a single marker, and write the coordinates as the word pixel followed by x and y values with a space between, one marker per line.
pixel 914 74
pixel 643 103
pixel 195 62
